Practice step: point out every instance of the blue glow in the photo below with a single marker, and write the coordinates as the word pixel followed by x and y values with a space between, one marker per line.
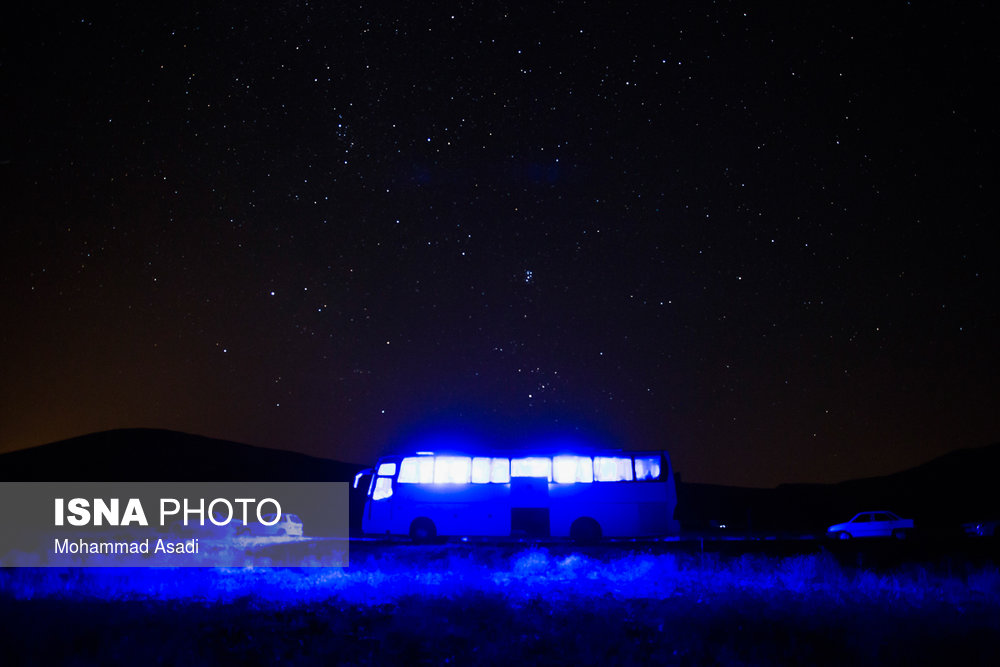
pixel 500 470
pixel 437 441
pixel 481 466
pixel 452 469
pixel 417 470
pixel 572 469
pixel 647 467
pixel 562 468
pixel 525 607
pixel 612 468
pixel 531 466
pixel 392 574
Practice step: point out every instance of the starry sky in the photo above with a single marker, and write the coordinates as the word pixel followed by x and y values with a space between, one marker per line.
pixel 761 238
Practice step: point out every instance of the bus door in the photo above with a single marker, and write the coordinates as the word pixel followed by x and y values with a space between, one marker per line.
pixel 529 496
pixel 379 505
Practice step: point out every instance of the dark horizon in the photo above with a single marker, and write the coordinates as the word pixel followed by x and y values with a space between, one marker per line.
pixel 761 239
pixel 161 437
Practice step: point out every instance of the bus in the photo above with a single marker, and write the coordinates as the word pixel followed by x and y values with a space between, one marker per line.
pixel 585 497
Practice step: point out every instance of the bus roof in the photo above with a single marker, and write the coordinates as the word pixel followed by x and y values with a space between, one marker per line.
pixel 524 453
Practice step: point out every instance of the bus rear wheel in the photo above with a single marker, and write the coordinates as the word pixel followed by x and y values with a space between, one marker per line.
pixel 585 530
pixel 422 530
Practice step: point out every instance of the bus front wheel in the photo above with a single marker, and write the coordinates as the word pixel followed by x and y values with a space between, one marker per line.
pixel 422 530
pixel 585 529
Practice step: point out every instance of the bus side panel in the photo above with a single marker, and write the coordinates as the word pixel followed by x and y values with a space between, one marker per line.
pixel 623 509
pixel 377 517
pixel 455 509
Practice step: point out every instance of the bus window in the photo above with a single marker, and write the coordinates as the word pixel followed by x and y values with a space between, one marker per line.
pixel 486 469
pixel 452 469
pixel 612 468
pixel 531 466
pixel 570 469
pixel 500 471
pixel 647 467
pixel 481 470
pixel 383 488
pixel 387 469
pixel 417 470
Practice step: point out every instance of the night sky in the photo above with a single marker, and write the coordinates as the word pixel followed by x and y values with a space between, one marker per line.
pixel 762 239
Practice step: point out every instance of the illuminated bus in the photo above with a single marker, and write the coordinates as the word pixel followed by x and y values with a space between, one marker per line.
pixel 580 496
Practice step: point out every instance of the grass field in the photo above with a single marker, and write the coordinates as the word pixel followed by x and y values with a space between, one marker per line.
pixel 438 605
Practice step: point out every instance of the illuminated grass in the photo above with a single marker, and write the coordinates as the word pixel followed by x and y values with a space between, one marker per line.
pixel 492 606
pixel 385 578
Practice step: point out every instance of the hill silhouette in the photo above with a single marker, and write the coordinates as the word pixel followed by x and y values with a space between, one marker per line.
pixel 939 495
pixel 154 455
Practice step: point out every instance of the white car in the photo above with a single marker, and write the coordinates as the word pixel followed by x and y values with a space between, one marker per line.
pixel 288 524
pixel 871 524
